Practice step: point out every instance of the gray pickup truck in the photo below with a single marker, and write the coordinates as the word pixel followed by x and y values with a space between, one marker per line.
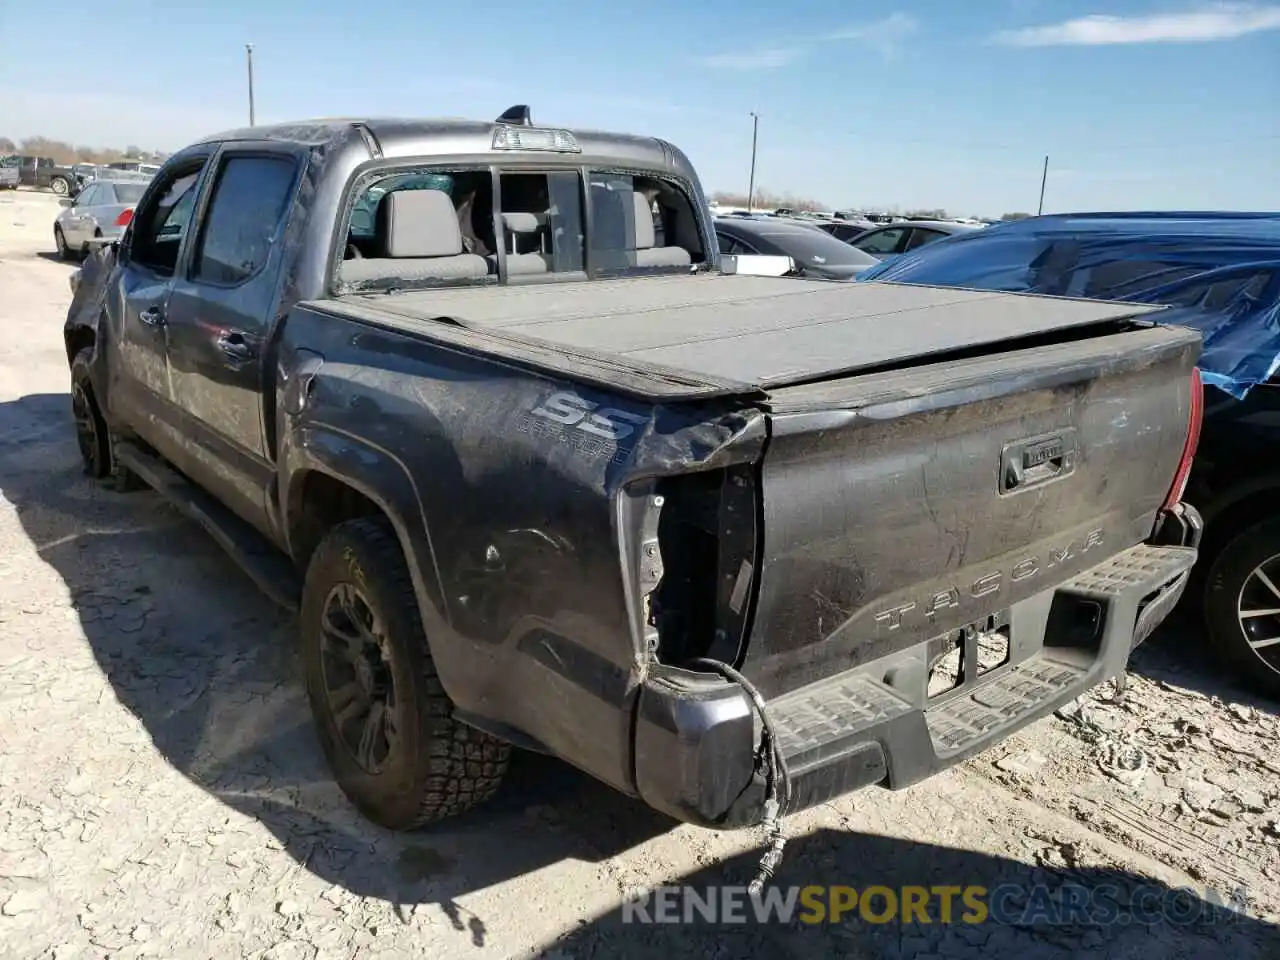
pixel 535 469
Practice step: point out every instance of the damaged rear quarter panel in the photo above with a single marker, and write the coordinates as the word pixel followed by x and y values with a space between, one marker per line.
pixel 507 489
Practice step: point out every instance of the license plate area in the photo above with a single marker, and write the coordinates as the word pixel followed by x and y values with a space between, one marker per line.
pixel 959 659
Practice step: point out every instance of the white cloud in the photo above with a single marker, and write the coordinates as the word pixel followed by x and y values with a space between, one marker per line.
pixel 884 36
pixel 1225 21
pixel 766 59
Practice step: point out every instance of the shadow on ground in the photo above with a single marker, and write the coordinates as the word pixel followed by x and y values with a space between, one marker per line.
pixel 207 666
pixel 1178 654
pixel 1031 913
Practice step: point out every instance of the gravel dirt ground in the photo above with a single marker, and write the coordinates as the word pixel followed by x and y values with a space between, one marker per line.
pixel 162 794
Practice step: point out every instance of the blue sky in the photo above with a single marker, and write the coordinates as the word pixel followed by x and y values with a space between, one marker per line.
pixel 1157 105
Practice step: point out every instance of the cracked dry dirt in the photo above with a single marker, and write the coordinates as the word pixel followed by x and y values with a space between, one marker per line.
pixel 161 794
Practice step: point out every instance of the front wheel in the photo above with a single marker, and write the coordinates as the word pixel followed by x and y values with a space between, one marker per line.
pixel 1242 605
pixel 94 436
pixel 384 721
pixel 60 242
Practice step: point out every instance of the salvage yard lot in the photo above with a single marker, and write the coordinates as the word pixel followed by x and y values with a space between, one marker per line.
pixel 162 794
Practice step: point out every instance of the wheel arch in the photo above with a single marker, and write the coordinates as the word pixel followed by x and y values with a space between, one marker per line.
pixel 1235 510
pixel 330 477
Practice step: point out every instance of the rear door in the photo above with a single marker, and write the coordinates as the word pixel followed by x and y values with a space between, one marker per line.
pixel 75 224
pixel 900 507
pixel 218 321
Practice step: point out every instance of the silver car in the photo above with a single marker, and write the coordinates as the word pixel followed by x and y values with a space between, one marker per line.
pixel 101 210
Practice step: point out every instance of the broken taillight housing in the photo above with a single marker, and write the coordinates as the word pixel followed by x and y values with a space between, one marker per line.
pixel 124 218
pixel 1194 420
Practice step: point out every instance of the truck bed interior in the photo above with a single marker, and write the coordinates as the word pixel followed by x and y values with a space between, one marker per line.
pixel 757 332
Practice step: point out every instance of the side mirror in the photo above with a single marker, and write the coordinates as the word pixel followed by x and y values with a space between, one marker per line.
pixel 66 201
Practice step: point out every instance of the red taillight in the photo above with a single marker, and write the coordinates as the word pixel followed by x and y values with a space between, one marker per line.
pixel 124 218
pixel 1194 420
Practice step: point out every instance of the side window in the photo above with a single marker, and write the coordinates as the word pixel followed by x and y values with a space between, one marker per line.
pixel 882 241
pixel 159 227
pixel 89 195
pixel 249 199
pixel 733 247
pixel 920 236
pixel 643 222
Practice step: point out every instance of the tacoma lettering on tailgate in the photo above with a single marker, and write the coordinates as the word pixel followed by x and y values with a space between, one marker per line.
pixel 987 585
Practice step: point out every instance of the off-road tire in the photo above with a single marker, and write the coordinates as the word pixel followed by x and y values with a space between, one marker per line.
pixel 1226 577
pixel 98 452
pixel 441 767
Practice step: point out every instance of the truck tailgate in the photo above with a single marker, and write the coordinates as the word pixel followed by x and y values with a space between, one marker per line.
pixel 903 506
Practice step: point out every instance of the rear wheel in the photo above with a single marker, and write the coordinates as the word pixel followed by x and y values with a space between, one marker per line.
pixel 60 186
pixel 384 721
pixel 1242 605
pixel 95 438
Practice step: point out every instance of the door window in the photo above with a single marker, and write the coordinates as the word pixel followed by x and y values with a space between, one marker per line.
pixel 89 196
pixel 160 226
pixel 249 200
pixel 920 236
pixel 733 246
pixel 882 241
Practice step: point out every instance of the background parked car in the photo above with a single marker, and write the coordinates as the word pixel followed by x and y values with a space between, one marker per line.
pixel 102 209
pixel 847 230
pixel 134 166
pixel 818 254
pixel 906 235
pixel 9 173
pixel 1219 273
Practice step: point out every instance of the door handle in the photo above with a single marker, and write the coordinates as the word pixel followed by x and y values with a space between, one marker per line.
pixel 152 317
pixel 235 348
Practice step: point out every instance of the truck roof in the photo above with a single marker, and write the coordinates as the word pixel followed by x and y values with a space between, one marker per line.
pixel 409 136
pixel 745 334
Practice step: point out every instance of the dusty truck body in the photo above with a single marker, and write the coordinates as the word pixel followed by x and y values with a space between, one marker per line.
pixel 535 472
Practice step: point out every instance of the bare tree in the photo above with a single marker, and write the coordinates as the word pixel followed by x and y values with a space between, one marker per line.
pixel 768 200
pixel 62 152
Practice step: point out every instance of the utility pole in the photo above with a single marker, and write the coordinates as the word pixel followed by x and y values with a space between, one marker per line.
pixel 751 187
pixel 248 56
pixel 1043 177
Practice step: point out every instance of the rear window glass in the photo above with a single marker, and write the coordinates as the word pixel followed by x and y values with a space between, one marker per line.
pixel 818 248
pixel 129 192
pixel 422 228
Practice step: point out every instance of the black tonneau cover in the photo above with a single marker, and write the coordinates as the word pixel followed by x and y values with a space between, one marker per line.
pixel 757 332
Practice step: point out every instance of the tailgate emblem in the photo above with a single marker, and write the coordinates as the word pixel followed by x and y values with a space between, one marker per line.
pixel 1035 460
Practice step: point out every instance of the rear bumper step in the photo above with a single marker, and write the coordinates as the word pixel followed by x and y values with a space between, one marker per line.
pixel 695 744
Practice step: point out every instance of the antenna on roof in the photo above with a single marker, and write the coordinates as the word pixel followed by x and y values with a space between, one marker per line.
pixel 518 115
